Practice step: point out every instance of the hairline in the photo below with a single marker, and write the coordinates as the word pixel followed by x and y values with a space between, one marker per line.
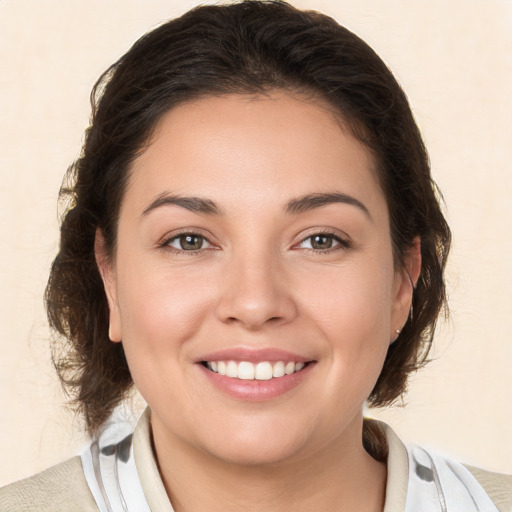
pixel 310 94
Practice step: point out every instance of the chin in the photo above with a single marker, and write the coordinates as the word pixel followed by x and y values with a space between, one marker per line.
pixel 257 445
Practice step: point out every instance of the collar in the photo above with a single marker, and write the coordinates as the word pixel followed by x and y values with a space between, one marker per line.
pixel 122 473
pixel 397 467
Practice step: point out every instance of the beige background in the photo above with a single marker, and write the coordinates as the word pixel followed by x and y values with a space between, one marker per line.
pixel 454 59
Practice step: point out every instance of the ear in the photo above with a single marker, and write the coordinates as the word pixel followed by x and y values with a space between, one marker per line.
pixel 406 278
pixel 108 276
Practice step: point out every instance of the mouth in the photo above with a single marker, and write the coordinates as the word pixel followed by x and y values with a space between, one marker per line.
pixel 256 375
pixel 262 370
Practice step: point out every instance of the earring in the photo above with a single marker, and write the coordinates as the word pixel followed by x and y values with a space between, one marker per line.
pixel 397 331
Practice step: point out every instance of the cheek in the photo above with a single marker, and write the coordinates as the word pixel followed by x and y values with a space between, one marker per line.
pixel 160 310
pixel 161 316
pixel 352 310
pixel 350 304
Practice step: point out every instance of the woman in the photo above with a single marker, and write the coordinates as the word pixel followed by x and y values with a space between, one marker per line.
pixel 254 240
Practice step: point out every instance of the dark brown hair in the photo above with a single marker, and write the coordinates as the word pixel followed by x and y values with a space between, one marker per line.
pixel 245 47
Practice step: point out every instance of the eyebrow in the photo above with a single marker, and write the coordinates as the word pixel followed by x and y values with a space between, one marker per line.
pixel 313 201
pixel 194 204
pixel 293 207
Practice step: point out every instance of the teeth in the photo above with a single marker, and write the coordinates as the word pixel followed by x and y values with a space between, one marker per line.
pixel 245 371
pixel 278 370
pixel 289 368
pixel 263 370
pixel 232 369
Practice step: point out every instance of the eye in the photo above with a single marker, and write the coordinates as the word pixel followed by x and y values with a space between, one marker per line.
pixel 322 242
pixel 188 242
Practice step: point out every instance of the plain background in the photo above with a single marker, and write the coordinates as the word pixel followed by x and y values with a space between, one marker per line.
pixel 454 60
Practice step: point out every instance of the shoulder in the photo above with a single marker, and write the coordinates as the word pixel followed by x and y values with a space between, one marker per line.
pixel 60 488
pixel 411 474
pixel 497 485
pixel 459 486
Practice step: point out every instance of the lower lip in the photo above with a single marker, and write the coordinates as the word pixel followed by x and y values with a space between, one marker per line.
pixel 257 390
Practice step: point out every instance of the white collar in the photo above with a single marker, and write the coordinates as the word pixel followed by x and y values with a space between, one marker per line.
pixel 123 476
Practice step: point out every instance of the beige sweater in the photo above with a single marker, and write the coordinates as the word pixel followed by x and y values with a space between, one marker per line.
pixel 63 488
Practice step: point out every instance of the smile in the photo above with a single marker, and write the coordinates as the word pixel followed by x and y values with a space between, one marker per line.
pixel 263 370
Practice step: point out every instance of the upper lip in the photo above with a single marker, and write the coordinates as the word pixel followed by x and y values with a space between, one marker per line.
pixel 253 355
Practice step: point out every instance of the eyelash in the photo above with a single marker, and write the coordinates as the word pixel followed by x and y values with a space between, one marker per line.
pixel 342 243
pixel 166 244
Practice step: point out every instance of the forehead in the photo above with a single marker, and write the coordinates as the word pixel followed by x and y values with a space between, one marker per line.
pixel 245 149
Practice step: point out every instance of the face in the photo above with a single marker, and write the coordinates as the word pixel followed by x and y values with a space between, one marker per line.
pixel 253 284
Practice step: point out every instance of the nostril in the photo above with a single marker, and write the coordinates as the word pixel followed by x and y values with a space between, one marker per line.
pixel 254 303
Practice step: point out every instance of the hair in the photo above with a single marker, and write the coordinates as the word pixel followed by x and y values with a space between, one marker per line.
pixel 246 47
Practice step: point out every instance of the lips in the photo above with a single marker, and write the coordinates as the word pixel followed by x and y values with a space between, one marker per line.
pixel 255 375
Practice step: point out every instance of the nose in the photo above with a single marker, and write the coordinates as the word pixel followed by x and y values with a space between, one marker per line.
pixel 255 293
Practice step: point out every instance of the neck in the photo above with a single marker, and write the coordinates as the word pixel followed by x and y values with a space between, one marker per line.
pixel 341 476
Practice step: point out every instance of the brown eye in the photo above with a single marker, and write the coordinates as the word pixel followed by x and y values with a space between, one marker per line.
pixel 188 242
pixel 321 242
pixel 191 242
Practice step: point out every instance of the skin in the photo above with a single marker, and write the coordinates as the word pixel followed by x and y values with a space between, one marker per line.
pixel 257 282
